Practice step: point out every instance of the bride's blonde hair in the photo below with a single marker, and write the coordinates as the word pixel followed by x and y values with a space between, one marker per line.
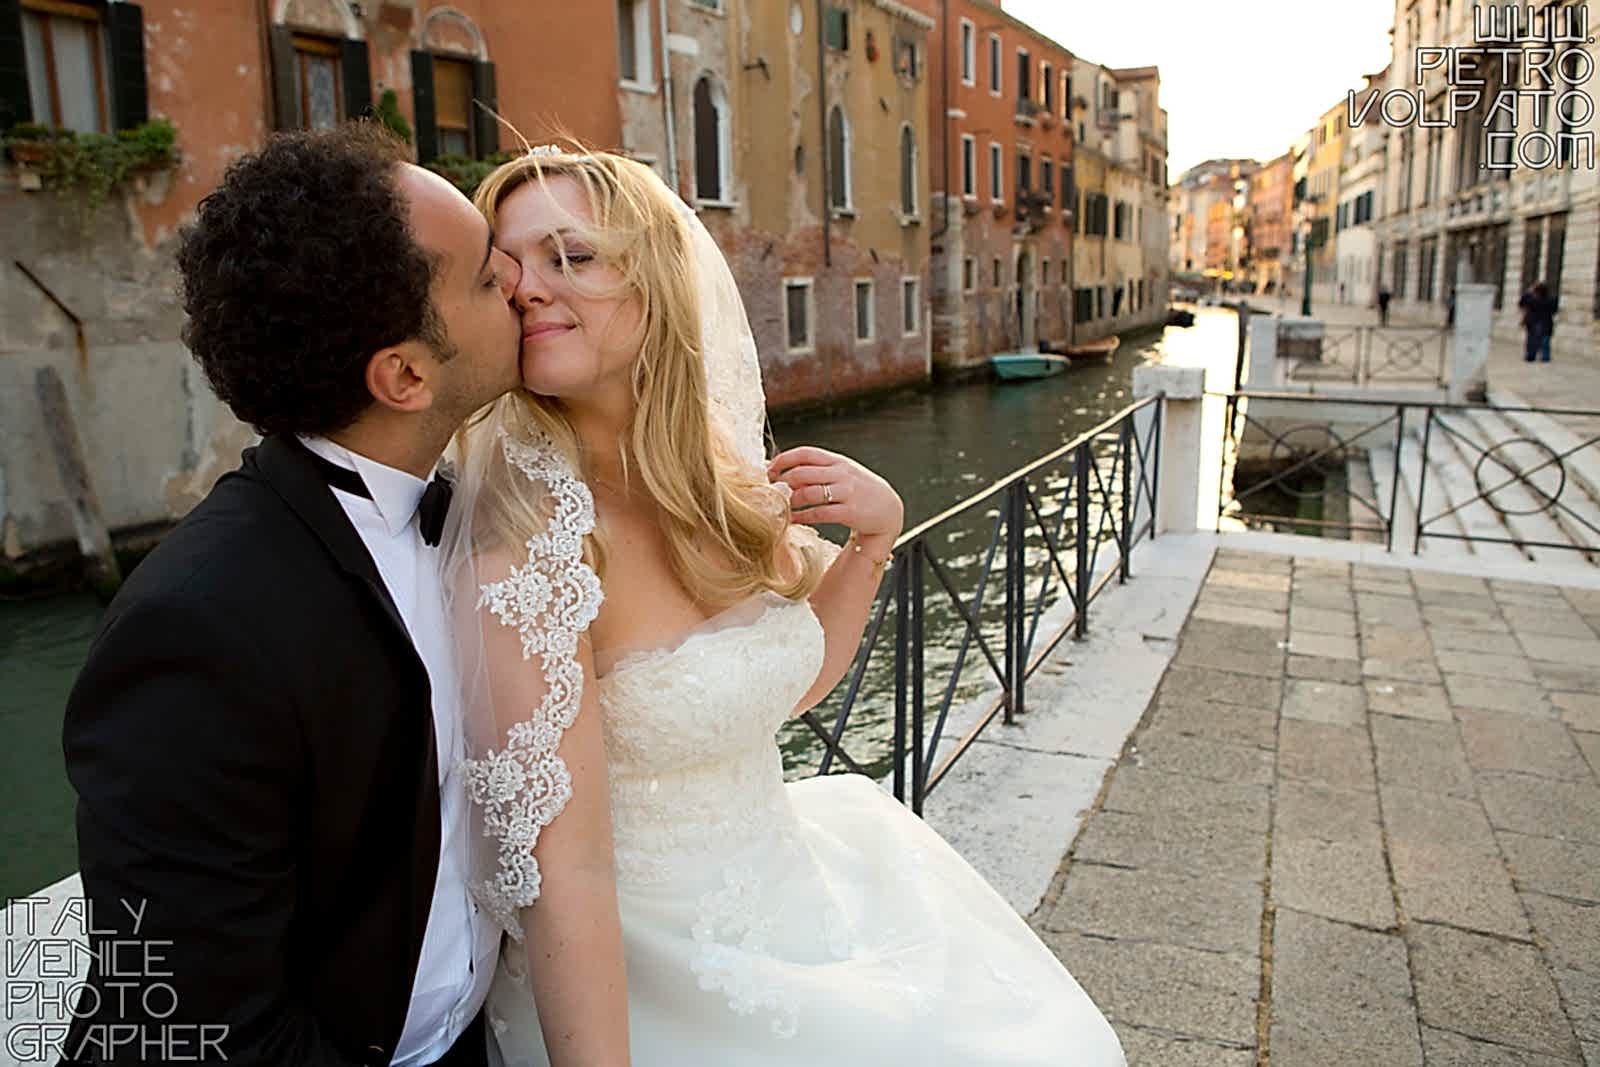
pixel 725 524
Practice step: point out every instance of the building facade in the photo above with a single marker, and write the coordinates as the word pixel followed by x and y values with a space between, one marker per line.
pixel 1358 206
pixel 1506 196
pixel 1208 212
pixel 1002 184
pixel 1270 223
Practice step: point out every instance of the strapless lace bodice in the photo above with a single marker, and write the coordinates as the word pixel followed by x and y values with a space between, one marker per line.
pixel 690 739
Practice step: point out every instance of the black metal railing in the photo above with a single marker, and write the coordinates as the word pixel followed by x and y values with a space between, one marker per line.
pixel 1506 486
pixel 1058 522
pixel 1377 355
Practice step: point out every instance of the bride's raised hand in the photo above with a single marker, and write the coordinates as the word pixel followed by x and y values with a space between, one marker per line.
pixel 828 487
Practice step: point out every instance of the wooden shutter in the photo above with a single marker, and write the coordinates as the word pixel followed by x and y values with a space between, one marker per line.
pixel 485 125
pixel 285 102
pixel 357 78
pixel 130 101
pixel 426 124
pixel 15 106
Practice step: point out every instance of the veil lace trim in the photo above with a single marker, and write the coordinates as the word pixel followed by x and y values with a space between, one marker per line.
pixel 550 601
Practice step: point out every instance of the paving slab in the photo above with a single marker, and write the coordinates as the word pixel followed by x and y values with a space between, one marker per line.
pixel 1580 993
pixel 1330 702
pixel 1581 711
pixel 1341 880
pixel 1441 1048
pixel 1458 583
pixel 1199 683
pixel 1324 669
pixel 1560 649
pixel 1568 869
pixel 1568 676
pixel 1464 619
pixel 1209 995
pixel 1566 810
pixel 1179 797
pixel 1402 670
pixel 1590 745
pixel 1325 598
pixel 1488 988
pixel 1219 656
pixel 1388 696
pixel 1525 619
pixel 1455 637
pixel 1569 931
pixel 1146 1048
pixel 1214 611
pixel 1495 741
pixel 1261 580
pixel 1339 995
pixel 1323 754
pixel 1326 645
pixel 1307 810
pixel 1219 721
pixel 1200 912
pixel 1324 621
pixel 1200 757
pixel 1485 664
pixel 1492 694
pixel 1396 642
pixel 1445 883
pixel 1420 816
pixel 1421 755
pixel 1189 846
pixel 1372 608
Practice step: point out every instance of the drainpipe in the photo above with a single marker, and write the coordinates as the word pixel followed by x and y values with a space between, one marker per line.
pixel 944 115
pixel 822 116
pixel 666 103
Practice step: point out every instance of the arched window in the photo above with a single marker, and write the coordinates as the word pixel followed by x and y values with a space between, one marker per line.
pixel 710 140
pixel 838 160
pixel 908 171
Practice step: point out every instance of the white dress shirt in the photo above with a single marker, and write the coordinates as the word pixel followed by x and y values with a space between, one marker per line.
pixel 459 945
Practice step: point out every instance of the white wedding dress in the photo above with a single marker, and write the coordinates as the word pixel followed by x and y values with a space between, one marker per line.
pixel 818 922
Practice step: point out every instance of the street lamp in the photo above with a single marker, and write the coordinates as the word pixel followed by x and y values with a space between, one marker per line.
pixel 1310 244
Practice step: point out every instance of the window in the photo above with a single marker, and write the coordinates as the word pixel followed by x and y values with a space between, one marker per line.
pixel 969 165
pixel 66 58
pixel 910 306
pixel 836 29
pixel 452 102
pixel 994 64
pixel 1082 305
pixel 319 82
pixel 997 174
pixel 1044 272
pixel 797 313
pixel 866 311
pixel 997 276
pixel 969 53
pixel 710 141
pixel 1047 89
pixel 1427 260
pixel 1024 75
pixel 709 5
pixel 1024 172
pixel 316 83
pixel 1047 180
pixel 907 61
pixel 969 275
pixel 1066 97
pixel 633 42
pixel 838 160
pixel 908 172
pixel 1400 271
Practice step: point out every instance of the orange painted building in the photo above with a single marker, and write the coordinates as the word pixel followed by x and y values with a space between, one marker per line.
pixel 1003 193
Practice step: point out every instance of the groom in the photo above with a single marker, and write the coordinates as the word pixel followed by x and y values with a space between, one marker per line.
pixel 271 833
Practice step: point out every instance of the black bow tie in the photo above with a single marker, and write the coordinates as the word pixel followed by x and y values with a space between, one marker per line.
pixel 431 511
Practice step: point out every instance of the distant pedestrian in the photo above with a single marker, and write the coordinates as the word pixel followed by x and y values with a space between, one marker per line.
pixel 1450 313
pixel 1538 322
pixel 1383 305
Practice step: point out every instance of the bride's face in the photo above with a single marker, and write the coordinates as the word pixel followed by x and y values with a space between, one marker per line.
pixel 580 325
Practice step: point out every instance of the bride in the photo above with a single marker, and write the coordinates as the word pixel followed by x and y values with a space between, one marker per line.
pixel 669 899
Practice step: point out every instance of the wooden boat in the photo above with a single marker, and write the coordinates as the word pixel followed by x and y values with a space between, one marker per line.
pixel 1104 348
pixel 1016 366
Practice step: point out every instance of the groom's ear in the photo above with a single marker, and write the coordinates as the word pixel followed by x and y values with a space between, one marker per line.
pixel 400 377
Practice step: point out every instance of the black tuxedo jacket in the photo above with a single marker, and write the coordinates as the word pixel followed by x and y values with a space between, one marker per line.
pixel 252 745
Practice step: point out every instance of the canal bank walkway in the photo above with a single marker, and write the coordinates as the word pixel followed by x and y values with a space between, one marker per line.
pixel 1357 823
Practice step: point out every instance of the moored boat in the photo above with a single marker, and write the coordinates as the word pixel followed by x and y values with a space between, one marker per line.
pixel 1016 366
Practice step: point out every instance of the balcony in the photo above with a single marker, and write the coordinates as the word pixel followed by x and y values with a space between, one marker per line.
pixel 1028 112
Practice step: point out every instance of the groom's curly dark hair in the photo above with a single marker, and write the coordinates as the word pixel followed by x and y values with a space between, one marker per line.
pixel 296 269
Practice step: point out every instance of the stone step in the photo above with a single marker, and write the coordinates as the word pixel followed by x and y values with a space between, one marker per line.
pixel 1581 461
pixel 1380 471
pixel 1525 510
pixel 1450 468
pixel 1438 501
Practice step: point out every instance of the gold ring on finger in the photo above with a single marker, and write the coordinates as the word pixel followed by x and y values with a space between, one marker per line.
pixel 827 493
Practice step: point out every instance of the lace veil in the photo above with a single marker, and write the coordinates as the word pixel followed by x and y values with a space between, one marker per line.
pixel 520 594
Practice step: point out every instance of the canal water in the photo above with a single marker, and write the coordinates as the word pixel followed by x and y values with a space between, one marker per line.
pixel 937 446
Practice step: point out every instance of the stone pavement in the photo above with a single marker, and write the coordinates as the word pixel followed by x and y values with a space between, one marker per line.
pixel 1359 823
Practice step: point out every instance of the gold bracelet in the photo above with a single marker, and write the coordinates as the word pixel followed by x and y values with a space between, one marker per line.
pixel 877 564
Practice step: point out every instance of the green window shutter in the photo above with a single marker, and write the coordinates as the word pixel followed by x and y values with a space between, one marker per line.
pixel 285 101
pixel 357 78
pixel 15 106
pixel 427 122
pixel 485 106
pixel 130 101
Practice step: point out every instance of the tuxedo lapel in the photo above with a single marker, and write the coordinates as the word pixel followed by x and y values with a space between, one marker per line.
pixel 290 469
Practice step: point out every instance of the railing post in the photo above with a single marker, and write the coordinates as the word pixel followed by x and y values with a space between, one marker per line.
pixel 1394 485
pixel 1125 447
pixel 919 769
pixel 1008 510
pixel 902 634
pixel 1422 479
pixel 1080 464
pixel 1154 452
pixel 1019 665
